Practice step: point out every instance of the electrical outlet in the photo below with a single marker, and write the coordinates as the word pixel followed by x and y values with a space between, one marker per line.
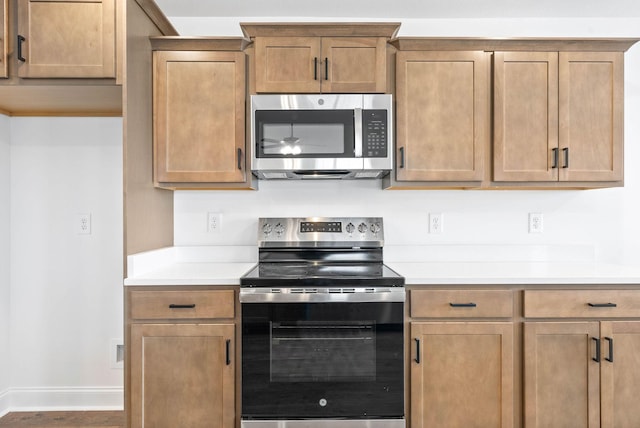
pixel 214 222
pixel 535 223
pixel 83 224
pixel 116 353
pixel 435 223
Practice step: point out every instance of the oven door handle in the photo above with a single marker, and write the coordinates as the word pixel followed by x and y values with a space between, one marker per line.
pixel 417 358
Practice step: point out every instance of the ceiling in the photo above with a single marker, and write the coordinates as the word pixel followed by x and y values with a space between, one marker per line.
pixel 398 9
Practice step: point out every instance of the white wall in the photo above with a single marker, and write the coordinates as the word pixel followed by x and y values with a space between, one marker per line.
pixel 4 256
pixel 66 288
pixel 598 224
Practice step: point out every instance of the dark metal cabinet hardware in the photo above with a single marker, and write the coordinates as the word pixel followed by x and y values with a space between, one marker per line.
pixel 175 306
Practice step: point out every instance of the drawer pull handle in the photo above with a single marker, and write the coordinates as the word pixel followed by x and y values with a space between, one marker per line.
pixel 603 305
pixel 597 357
pixel 463 305
pixel 228 357
pixel 555 158
pixel 417 359
pixel 326 69
pixel 315 68
pixel 174 306
pixel 610 357
pixel 566 157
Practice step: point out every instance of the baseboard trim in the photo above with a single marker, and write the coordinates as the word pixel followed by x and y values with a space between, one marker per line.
pixel 51 399
pixel 4 402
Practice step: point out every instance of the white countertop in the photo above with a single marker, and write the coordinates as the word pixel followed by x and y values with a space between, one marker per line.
pixel 215 266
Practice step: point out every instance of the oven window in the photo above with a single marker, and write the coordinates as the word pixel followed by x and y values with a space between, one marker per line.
pixel 308 351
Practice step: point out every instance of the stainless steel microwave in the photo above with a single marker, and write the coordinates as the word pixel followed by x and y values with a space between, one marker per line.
pixel 314 136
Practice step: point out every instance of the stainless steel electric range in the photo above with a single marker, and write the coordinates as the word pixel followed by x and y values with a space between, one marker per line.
pixel 322 327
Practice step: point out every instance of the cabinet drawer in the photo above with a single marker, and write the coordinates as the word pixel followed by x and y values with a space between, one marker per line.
pixel 187 304
pixel 581 303
pixel 461 303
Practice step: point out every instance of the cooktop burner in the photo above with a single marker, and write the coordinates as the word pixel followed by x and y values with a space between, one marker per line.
pixel 308 274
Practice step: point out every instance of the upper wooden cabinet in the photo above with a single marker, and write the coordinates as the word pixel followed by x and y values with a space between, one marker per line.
pixel 4 28
pixel 311 58
pixel 199 113
pixel 558 116
pixel 442 115
pixel 67 38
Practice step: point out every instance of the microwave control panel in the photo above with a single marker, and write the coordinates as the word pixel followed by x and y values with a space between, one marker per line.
pixel 374 130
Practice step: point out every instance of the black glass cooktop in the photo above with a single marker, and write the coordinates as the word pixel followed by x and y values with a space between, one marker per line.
pixel 323 274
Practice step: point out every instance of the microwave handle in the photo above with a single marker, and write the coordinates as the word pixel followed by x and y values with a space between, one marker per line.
pixel 357 119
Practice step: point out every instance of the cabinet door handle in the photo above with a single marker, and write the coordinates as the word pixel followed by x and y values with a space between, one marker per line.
pixel 610 357
pixel 240 159
pixel 401 157
pixel 21 39
pixel 555 158
pixel 326 69
pixel 602 305
pixel 176 306
pixel 463 305
pixel 566 157
pixel 315 68
pixel 228 355
pixel 417 359
pixel 597 357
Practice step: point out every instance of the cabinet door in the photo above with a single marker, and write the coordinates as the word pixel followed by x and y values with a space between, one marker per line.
pixel 182 375
pixel 353 64
pixel 462 375
pixel 591 116
pixel 3 38
pixel 525 110
pixel 620 374
pixel 199 110
pixel 442 115
pixel 67 38
pixel 561 378
pixel 287 64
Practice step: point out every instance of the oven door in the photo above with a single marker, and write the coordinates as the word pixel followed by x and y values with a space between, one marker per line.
pixel 339 360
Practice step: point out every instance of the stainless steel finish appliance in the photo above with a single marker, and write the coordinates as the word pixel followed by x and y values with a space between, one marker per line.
pixel 312 136
pixel 322 327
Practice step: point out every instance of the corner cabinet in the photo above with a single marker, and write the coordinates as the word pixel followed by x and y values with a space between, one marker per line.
pixel 581 370
pixel 313 58
pixel 462 369
pixel 69 38
pixel 181 358
pixel 199 113
pixel 558 116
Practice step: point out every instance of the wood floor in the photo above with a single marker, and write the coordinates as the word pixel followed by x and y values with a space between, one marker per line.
pixel 63 420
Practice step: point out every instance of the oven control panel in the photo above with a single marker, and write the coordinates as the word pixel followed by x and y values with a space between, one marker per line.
pixel 321 230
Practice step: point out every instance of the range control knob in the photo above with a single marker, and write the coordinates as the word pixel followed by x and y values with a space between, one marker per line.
pixel 279 229
pixel 362 228
pixel 375 228
pixel 267 228
pixel 350 228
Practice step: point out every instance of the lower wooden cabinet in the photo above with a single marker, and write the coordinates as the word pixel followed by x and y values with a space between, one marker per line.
pixel 182 375
pixel 181 357
pixel 461 358
pixel 462 375
pixel 582 370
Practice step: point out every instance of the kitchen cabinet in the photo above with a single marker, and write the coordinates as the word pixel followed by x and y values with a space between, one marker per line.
pixel 464 356
pixel 61 57
pixel 199 114
pixel 4 29
pixel 313 58
pixel 442 115
pixel 558 116
pixel 581 369
pixel 69 38
pixel 181 357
